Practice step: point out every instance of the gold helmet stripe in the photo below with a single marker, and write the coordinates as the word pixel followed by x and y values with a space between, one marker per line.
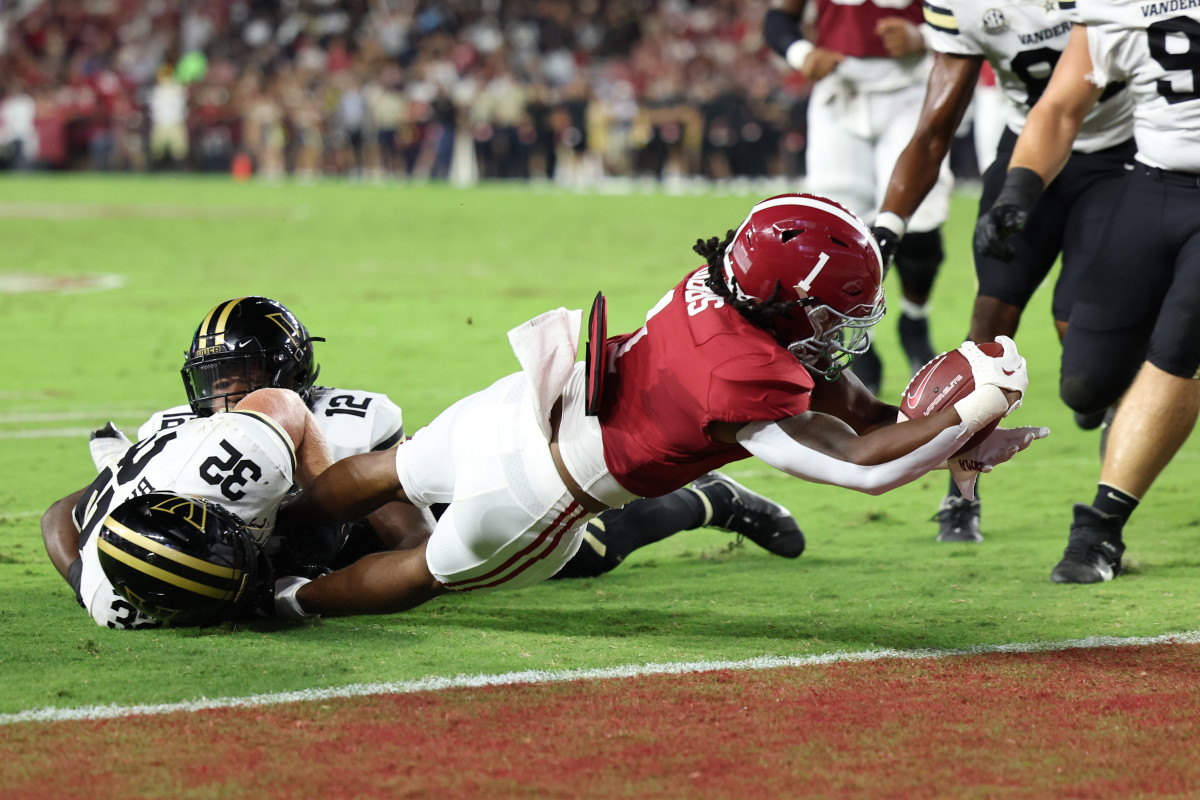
pixel 191 562
pixel 216 327
pixel 161 574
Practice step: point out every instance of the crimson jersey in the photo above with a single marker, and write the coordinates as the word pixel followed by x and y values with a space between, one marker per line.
pixel 696 361
pixel 849 28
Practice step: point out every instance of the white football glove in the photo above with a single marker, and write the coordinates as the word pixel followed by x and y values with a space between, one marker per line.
pixel 107 445
pixel 1008 371
pixel 286 604
pixel 1001 445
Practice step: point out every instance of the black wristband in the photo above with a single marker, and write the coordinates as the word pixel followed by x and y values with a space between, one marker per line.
pixel 781 30
pixel 1022 187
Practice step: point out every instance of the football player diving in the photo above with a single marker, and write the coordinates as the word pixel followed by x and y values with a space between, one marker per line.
pixel 743 357
pixel 174 529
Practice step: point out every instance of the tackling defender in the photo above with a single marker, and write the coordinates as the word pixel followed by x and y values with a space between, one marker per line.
pixel 1022 42
pixel 739 359
pixel 245 462
pixel 1137 317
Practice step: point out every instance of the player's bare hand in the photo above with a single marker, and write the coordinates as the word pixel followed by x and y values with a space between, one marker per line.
pixel 820 62
pixel 900 37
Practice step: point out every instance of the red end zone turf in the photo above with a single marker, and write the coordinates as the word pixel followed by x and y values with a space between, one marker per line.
pixel 1078 723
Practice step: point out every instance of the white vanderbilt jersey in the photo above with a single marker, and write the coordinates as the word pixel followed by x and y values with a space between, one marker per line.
pixel 1155 46
pixel 241 460
pixel 1023 40
pixel 352 421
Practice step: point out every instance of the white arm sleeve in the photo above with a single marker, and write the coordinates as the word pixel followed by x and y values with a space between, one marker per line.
pixel 769 442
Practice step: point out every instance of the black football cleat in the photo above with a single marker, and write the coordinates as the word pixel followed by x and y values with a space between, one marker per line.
pixel 735 508
pixel 1094 548
pixel 958 520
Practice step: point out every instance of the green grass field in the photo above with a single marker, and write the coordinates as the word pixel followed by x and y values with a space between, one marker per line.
pixel 415 288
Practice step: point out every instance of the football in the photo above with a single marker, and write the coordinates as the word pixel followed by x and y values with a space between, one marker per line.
pixel 940 384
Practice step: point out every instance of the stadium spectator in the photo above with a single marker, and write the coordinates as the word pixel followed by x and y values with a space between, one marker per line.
pixel 18 134
pixel 433 60
pixel 967 37
pixel 1133 332
pixel 728 365
pixel 168 120
pixel 868 63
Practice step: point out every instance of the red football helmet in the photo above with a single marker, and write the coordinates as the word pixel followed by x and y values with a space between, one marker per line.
pixel 800 247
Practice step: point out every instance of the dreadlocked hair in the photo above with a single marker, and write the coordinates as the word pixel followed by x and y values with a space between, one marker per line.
pixel 760 314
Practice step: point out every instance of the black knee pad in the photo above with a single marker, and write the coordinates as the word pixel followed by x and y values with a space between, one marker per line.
pixel 1097 369
pixel 918 259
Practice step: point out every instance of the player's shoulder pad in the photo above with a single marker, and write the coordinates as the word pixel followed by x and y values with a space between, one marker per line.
pixel 343 406
pixel 164 420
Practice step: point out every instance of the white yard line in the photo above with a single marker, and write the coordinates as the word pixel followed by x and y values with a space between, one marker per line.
pixel 49 433
pixel 437 683
pixel 129 418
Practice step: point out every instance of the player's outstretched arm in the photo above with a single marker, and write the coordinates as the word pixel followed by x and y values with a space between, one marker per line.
pixel 853 403
pixel 59 534
pixel 824 449
pixel 948 93
pixel 351 489
pixel 378 583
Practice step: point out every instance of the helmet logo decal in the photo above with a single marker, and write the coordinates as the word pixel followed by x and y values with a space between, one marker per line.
pixel 183 507
pixel 803 287
pixel 286 325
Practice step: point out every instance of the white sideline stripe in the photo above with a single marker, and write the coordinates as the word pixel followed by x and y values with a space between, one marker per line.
pixel 434 683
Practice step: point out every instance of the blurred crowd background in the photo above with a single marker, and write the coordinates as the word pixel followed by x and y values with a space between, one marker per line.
pixel 425 89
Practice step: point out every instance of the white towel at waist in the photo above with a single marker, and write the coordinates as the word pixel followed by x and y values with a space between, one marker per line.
pixel 547 346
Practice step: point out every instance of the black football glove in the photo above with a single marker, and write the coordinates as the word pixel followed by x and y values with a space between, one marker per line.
pixel 994 229
pixel 889 242
pixel 1008 214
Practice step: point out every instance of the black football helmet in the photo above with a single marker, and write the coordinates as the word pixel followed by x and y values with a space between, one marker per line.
pixel 185 561
pixel 244 344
